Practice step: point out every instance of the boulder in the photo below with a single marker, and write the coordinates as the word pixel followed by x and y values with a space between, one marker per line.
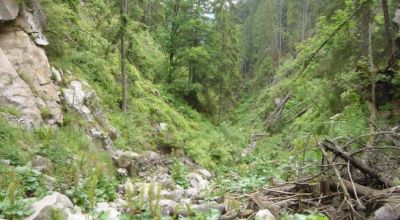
pixel 122 171
pixel 112 213
pixel 151 156
pixel 167 207
pixel 8 10
pixel 205 173
pixel 264 214
pixel 42 164
pixel 175 195
pixel 197 181
pixel 122 162
pixel 51 213
pixel 53 201
pixel 192 192
pixel 76 214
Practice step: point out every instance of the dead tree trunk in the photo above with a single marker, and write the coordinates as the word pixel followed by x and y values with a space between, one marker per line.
pixel 388 27
pixel 124 10
pixel 357 163
pixel 305 20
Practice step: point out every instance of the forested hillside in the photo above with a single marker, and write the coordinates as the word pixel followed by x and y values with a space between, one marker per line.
pixel 199 109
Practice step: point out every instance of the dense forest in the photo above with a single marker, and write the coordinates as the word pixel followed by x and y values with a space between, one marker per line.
pixel 199 109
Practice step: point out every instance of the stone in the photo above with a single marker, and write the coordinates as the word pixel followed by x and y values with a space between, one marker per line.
pixel 205 173
pixel 49 213
pixel 163 126
pixel 122 171
pixel 151 156
pixel 56 75
pixel 129 188
pixel 26 69
pixel 75 96
pixel 124 165
pixel 5 162
pixel 197 182
pixel 95 133
pixel 192 192
pixel 112 213
pixel 387 212
pixel 42 164
pixel 113 133
pixel 207 207
pixel 175 195
pixel 264 214
pixel 8 10
pixel 55 200
pixel 167 207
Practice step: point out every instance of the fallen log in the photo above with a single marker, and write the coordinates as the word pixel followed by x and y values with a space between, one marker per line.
pixel 278 111
pixel 328 145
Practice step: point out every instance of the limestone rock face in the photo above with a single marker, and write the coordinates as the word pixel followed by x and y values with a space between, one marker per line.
pixel 25 80
pixel 8 10
pixel 83 99
pixel 15 92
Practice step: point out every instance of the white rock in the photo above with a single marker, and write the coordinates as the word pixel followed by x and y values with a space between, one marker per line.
pixel 205 173
pixel 197 182
pixel 163 126
pixel 192 192
pixel 264 214
pixel 55 200
pixel 122 171
pixel 151 156
pixel 8 10
pixel 129 188
pixel 25 76
pixel 112 213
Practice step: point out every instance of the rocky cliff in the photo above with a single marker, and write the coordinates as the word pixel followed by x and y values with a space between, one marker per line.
pixel 25 76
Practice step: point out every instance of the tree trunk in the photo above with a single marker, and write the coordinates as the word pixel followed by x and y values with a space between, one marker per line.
pixel 388 27
pixel 305 20
pixel 372 102
pixel 124 10
pixel 280 31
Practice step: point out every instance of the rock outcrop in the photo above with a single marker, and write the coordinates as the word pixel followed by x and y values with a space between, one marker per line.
pixel 82 99
pixel 25 80
pixel 8 10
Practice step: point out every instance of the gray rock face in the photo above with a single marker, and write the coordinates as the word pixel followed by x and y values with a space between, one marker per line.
pixel 84 101
pixel 15 93
pixel 8 10
pixel 25 79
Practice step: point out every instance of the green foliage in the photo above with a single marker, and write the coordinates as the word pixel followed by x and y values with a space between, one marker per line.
pixel 10 110
pixel 95 188
pixel 10 149
pixel 179 174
